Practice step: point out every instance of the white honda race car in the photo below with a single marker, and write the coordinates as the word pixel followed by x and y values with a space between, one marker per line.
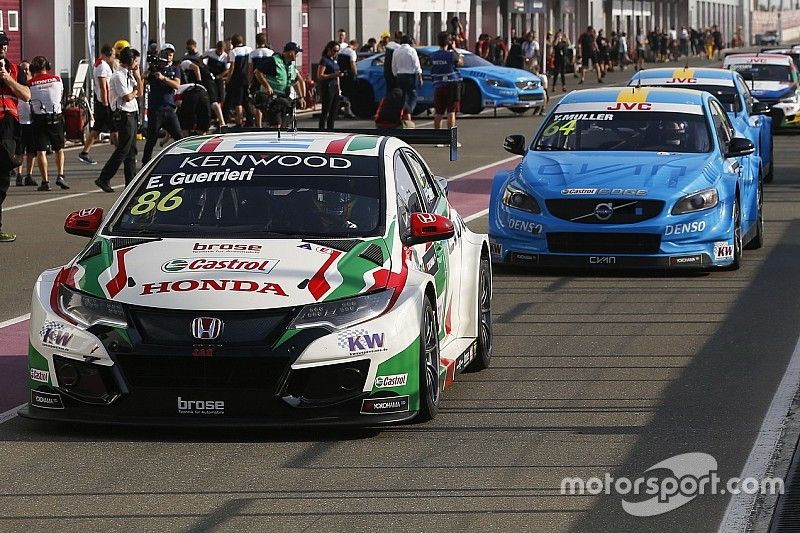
pixel 258 279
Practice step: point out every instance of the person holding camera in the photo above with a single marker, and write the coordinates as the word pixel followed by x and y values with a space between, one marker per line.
pixel 11 92
pixel 47 91
pixel 446 81
pixel 125 86
pixel 163 79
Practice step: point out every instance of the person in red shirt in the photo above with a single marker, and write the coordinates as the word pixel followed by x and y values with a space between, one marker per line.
pixel 10 92
pixel 47 91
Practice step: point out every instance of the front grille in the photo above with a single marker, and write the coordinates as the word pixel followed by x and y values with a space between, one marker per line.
pixel 625 211
pixel 240 328
pixel 176 372
pixel 603 243
pixel 526 85
pixel 529 97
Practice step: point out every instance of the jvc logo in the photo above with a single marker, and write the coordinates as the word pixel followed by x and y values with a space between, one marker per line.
pixel 603 260
pixel 682 80
pixel 631 106
pixel 369 341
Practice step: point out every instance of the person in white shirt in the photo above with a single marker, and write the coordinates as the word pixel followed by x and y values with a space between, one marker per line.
pixel 102 113
pixel 47 92
pixel 25 146
pixel 125 86
pixel 408 72
pixel 530 51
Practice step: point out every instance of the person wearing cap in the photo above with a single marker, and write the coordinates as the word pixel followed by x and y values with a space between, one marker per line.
pixel 163 84
pixel 11 92
pixel 280 82
pixel 125 86
pixel 381 46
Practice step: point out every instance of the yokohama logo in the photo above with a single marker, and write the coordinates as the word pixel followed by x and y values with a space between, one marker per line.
pixel 190 285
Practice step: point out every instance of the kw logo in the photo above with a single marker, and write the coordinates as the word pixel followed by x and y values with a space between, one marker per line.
pixel 360 343
pixel 54 334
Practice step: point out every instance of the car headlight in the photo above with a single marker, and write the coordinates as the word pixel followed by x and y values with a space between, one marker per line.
pixel 789 99
pixel 339 314
pixel 698 201
pixel 516 198
pixel 497 83
pixel 88 310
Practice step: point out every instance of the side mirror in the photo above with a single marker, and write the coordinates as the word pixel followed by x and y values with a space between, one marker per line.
pixel 427 227
pixel 515 144
pixel 739 146
pixel 85 222
pixel 761 108
pixel 443 184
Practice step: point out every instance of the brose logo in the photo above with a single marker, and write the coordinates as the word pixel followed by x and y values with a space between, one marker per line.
pixel 226 247
pixel 259 266
pixel 396 380
pixel 201 407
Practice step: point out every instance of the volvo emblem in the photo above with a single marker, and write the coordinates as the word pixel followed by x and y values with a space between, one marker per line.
pixel 207 328
pixel 603 211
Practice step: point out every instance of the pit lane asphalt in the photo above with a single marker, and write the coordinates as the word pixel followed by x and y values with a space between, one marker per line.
pixel 593 373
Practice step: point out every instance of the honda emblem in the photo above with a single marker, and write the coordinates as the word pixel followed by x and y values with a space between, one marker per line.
pixel 206 328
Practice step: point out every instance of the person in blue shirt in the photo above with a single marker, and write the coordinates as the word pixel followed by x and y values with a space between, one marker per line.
pixel 446 80
pixel 328 75
pixel 163 83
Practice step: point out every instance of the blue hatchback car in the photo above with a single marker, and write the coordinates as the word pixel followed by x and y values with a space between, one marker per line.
pixel 748 115
pixel 629 177
pixel 485 85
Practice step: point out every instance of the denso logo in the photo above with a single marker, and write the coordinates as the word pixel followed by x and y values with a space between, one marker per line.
pixel 260 266
pixel 189 285
pixel 226 247
pixel 631 106
pixel 526 226
pixel 396 380
pixel 689 227
pixel 201 406
pixel 682 80
pixel 602 260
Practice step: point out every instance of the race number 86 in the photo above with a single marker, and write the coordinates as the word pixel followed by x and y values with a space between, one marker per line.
pixel 153 200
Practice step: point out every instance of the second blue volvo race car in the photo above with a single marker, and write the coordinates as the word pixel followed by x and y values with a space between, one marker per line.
pixel 748 115
pixel 629 177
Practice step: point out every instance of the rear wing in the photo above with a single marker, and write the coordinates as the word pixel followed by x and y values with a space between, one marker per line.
pixel 411 136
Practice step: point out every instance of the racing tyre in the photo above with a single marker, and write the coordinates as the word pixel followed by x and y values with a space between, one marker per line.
pixel 758 240
pixel 737 237
pixel 771 171
pixel 471 99
pixel 363 101
pixel 429 377
pixel 483 355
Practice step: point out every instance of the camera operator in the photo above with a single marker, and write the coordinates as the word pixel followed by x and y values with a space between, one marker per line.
pixel 125 86
pixel 280 85
pixel 10 92
pixel 47 91
pixel 163 79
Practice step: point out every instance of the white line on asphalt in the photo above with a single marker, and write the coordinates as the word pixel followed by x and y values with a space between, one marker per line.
pixel 479 214
pixel 11 413
pixel 13 321
pixel 740 505
pixel 484 167
pixel 56 199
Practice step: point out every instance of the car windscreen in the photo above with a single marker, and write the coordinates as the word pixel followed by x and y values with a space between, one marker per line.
pixel 255 195
pixel 637 131
pixel 472 60
pixel 764 72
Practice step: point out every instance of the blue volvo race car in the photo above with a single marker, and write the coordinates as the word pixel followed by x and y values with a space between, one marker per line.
pixel 629 177
pixel 748 115
pixel 485 85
